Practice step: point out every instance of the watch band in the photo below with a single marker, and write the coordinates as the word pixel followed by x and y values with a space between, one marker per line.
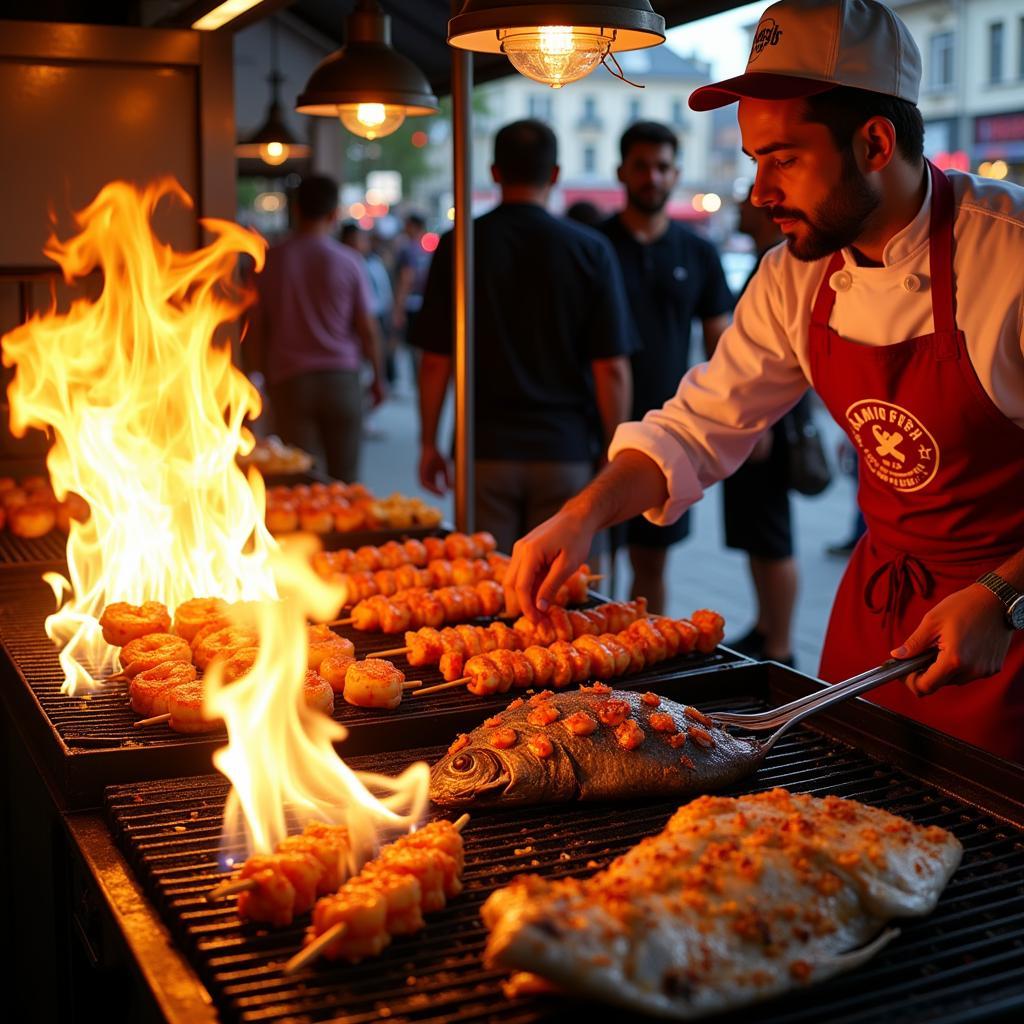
pixel 1012 599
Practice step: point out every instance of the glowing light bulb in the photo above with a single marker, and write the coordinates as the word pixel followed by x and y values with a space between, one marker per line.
pixel 371 120
pixel 556 54
pixel 274 153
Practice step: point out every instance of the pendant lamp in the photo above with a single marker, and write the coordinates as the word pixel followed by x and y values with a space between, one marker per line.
pixel 273 143
pixel 556 43
pixel 369 85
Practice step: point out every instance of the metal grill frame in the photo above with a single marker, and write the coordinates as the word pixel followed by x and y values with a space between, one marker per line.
pixel 81 757
pixel 881 758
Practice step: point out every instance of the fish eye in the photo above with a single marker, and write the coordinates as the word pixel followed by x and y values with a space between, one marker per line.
pixel 462 762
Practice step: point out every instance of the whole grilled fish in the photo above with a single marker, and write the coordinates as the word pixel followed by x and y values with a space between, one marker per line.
pixel 594 743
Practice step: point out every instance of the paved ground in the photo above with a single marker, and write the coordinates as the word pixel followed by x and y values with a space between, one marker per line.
pixel 702 572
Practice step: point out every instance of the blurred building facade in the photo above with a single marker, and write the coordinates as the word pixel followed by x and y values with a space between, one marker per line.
pixel 590 115
pixel 972 87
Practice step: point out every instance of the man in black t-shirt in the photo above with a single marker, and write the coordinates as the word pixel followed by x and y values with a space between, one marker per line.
pixel 672 277
pixel 553 339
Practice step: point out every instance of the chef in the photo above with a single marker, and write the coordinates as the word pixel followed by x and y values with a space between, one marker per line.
pixel 898 294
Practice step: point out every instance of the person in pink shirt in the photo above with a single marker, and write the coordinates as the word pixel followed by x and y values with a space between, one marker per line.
pixel 312 328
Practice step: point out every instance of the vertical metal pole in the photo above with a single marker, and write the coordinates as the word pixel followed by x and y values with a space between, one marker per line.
pixel 462 280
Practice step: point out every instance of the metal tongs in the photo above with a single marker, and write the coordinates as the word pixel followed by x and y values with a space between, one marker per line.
pixel 785 717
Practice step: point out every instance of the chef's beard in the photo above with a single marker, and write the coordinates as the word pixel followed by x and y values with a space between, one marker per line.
pixel 838 221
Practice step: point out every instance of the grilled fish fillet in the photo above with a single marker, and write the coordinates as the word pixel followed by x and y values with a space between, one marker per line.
pixel 737 900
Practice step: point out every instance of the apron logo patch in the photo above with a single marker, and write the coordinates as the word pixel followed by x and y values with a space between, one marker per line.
pixel 893 444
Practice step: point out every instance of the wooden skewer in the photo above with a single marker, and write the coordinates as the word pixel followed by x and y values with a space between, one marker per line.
pixel 443 686
pixel 341 622
pixel 155 720
pixel 315 948
pixel 230 887
pixel 460 823
pixel 411 684
pixel 392 653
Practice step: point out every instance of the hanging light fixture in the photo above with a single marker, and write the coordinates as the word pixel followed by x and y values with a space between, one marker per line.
pixel 556 43
pixel 371 87
pixel 273 143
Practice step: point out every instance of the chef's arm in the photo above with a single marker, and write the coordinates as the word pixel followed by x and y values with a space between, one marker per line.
pixel 613 390
pixel 970 630
pixel 435 372
pixel 713 327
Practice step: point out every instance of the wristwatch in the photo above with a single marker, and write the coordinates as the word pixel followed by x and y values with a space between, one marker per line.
pixel 1012 598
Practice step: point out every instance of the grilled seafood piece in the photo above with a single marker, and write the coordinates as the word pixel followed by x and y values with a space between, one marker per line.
pixel 737 900
pixel 593 743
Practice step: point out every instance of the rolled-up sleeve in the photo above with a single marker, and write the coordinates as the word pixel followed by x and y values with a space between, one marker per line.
pixel 707 429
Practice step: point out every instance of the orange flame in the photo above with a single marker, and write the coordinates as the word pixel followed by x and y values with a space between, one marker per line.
pixel 147 415
pixel 280 757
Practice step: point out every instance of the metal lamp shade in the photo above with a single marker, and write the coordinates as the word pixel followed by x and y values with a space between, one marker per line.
pixel 477 26
pixel 366 72
pixel 274 130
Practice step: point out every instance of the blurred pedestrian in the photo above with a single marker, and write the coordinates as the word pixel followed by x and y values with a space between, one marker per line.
pixel 552 344
pixel 312 327
pixel 672 277
pixel 585 212
pixel 356 237
pixel 412 262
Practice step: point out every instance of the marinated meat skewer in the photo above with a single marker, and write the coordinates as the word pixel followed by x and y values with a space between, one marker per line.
pixel 416 874
pixel 419 553
pixel 450 647
pixel 440 572
pixel 644 642
pixel 413 609
pixel 274 888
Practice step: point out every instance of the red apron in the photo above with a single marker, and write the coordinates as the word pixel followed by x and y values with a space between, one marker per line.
pixel 941 488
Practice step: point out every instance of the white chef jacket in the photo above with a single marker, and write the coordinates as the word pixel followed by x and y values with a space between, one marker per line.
pixel 761 365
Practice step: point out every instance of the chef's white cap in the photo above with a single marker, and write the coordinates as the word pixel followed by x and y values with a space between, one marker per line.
pixel 804 47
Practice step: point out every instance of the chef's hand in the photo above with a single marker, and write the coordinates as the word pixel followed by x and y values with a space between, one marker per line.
pixel 543 560
pixel 969 629
pixel 435 470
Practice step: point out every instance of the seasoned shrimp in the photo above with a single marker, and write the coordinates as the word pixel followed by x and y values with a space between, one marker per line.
pixel 324 642
pixel 221 643
pixel 318 693
pixel 122 622
pixel 153 649
pixel 239 664
pixel 191 616
pixel 185 704
pixel 373 683
pixel 333 669
pixel 147 686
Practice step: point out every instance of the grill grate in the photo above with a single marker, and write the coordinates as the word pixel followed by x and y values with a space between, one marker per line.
pixel 102 721
pixel 48 550
pixel 964 962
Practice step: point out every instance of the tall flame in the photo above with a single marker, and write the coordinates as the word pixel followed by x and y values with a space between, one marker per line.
pixel 147 414
pixel 280 758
